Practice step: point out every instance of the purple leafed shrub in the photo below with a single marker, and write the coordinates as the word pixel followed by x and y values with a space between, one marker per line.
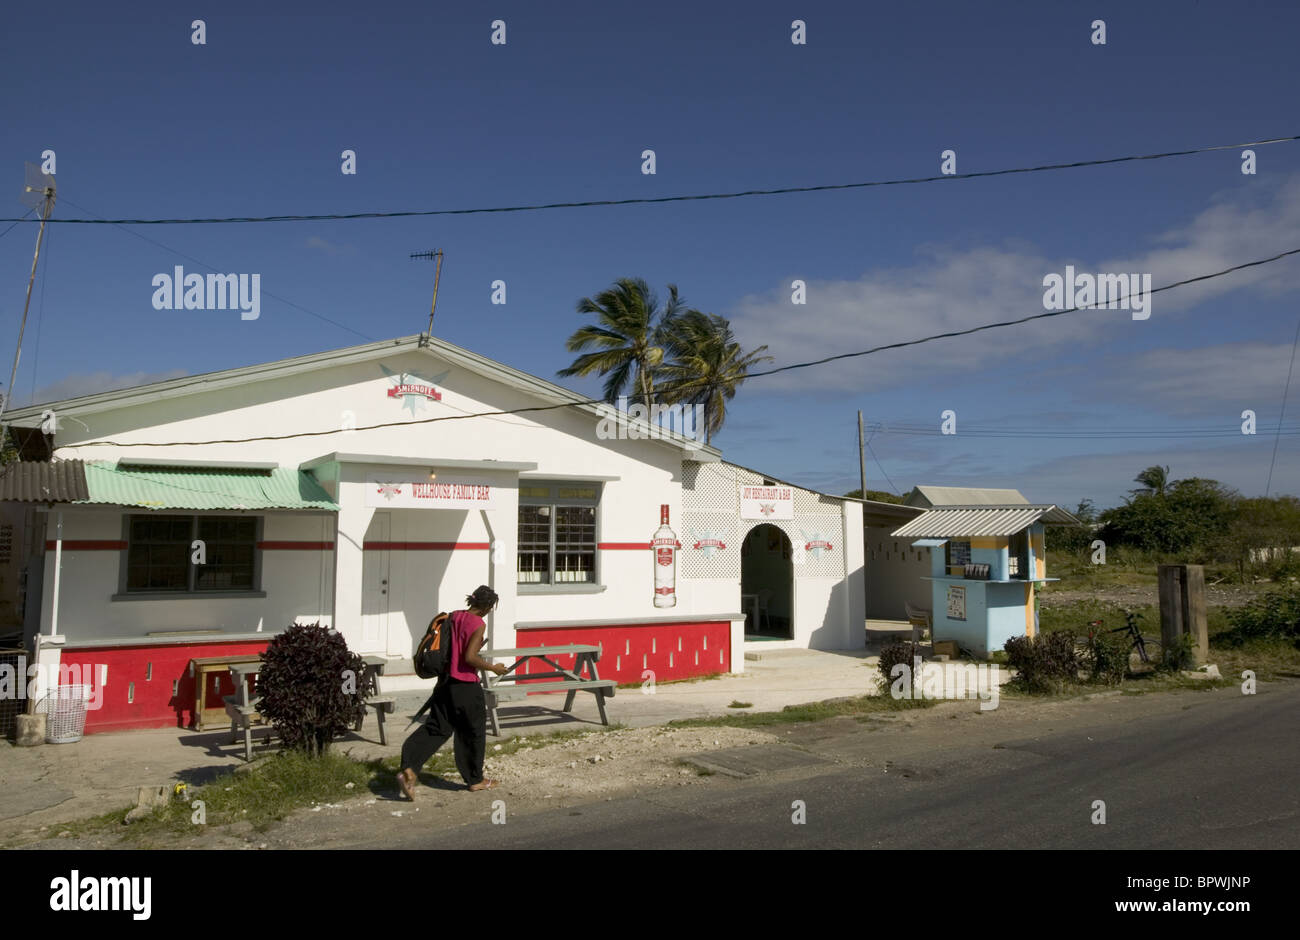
pixel 311 687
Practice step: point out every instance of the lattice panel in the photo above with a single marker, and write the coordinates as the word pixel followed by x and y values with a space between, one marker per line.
pixel 711 509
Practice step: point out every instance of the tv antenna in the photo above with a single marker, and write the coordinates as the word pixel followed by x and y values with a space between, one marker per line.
pixel 39 189
pixel 436 256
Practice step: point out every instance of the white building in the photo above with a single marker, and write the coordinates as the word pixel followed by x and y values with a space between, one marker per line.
pixel 359 488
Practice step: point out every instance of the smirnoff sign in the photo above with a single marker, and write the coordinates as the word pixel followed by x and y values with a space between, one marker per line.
pixel 767 502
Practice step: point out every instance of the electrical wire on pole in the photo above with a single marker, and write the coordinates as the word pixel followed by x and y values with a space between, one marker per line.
pixel 39 186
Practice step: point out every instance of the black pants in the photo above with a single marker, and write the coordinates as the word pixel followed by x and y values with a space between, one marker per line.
pixel 458 710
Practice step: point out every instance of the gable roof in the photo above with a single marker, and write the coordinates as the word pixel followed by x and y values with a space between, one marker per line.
pixel 30 415
pixel 934 496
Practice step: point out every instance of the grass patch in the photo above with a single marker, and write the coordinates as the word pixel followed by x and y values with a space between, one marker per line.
pixel 738 704
pixel 811 711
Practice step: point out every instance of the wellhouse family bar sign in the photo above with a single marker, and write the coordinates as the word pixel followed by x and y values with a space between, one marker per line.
pixel 385 491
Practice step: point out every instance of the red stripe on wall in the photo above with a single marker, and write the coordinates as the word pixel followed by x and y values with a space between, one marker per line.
pixel 622 546
pixel 291 546
pixel 88 545
pixel 424 546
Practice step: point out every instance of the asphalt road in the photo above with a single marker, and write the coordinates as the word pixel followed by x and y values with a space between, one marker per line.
pixel 1218 771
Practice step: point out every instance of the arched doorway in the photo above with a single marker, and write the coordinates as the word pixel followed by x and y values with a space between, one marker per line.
pixel 767 584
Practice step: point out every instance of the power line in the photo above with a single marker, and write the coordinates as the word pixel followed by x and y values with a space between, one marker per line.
pixel 181 254
pixel 1118 433
pixel 1285 390
pixel 333 217
pixel 23 218
pixel 1037 316
pixel 601 401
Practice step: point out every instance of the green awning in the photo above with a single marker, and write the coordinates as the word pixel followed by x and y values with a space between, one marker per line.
pixel 204 488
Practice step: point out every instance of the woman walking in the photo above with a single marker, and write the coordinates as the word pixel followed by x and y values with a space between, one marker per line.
pixel 458 709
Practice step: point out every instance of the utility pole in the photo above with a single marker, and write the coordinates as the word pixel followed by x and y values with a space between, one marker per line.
pixel 862 460
pixel 40 186
pixel 436 256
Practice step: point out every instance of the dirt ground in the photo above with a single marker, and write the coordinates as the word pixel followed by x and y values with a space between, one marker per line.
pixel 1136 595
pixel 580 770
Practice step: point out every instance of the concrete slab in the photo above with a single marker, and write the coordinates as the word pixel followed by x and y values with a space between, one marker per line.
pixel 752 761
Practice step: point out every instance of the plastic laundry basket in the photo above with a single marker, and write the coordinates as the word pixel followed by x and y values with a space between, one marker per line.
pixel 65 711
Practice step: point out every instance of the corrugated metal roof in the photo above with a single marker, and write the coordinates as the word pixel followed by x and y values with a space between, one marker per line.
pixel 958 522
pixel 54 481
pixel 968 496
pixel 196 488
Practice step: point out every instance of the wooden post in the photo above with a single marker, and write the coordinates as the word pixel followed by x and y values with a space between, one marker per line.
pixel 1182 608
pixel 1171 605
pixel 1194 619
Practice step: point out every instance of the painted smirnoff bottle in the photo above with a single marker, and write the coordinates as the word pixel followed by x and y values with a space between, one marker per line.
pixel 664 545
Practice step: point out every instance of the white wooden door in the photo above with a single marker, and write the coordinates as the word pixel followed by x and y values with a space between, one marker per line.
pixel 375 587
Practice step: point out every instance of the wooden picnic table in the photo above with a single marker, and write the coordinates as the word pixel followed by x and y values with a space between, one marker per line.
pixel 567 680
pixel 200 669
pixel 242 707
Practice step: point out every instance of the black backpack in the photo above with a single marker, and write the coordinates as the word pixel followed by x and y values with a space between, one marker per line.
pixel 433 654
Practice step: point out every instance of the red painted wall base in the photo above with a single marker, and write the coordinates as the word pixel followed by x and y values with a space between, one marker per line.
pixel 680 650
pixel 154 704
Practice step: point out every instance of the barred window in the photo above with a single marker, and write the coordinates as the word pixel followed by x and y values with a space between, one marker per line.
pixel 160 550
pixel 557 533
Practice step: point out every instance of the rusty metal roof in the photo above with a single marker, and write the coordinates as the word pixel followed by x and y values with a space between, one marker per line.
pixel 54 481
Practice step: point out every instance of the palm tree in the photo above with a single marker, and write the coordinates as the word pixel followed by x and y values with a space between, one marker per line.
pixel 627 338
pixel 1154 480
pixel 705 365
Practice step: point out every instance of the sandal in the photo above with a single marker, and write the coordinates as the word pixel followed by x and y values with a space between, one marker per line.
pixel 407 784
pixel 484 785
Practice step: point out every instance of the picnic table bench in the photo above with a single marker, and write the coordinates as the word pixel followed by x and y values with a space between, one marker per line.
pixel 507 688
pixel 201 669
pixel 382 704
pixel 242 708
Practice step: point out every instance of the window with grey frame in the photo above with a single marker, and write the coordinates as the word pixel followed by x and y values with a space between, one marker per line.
pixel 161 549
pixel 557 533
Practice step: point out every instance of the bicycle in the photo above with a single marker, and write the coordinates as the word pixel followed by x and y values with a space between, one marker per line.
pixel 1138 642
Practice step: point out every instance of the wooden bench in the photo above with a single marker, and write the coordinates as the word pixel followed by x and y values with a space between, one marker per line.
pixel 382 704
pixel 507 688
pixel 242 719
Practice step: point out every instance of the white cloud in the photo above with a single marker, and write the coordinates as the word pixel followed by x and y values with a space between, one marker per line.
pixel 329 247
pixel 950 289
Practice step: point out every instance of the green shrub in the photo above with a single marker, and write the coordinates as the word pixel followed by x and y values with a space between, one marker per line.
pixel 893 653
pixel 1043 663
pixel 311 686
pixel 1180 655
pixel 1275 615
pixel 1106 656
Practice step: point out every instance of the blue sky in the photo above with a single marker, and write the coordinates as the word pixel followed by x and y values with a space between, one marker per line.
pixel 146 124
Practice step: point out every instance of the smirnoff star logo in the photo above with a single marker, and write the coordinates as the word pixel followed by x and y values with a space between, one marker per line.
pixel 816 543
pixel 414 390
pixel 709 542
pixel 389 490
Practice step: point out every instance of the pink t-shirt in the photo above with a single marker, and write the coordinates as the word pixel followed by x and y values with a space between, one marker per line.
pixel 463 626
